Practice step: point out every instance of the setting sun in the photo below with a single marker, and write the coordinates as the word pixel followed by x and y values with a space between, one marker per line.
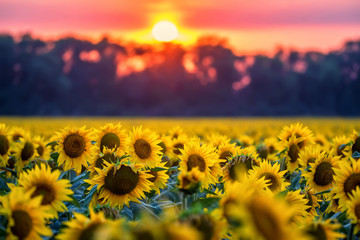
pixel 165 31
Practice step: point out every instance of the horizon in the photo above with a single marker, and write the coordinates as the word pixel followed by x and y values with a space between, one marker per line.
pixel 303 26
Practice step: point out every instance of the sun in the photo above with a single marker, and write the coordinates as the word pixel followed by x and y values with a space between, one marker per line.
pixel 165 31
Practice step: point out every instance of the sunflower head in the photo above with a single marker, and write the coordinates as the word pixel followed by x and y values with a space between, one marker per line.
pixel 112 137
pixel 74 148
pixel 190 181
pixel 355 147
pixel 297 131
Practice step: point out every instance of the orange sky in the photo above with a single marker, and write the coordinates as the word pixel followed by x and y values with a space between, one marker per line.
pixel 250 26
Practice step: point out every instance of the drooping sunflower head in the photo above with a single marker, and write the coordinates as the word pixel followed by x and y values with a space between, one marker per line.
pixel 308 155
pixel 45 183
pixel 347 179
pixel 321 176
pixel 144 147
pixel 4 144
pixel 112 137
pixel 244 161
pixel 198 156
pixel 225 152
pixel 74 148
pixel 98 160
pixel 26 216
pixel 297 131
pixel 82 227
pixel 340 146
pixel 271 174
pixel 120 184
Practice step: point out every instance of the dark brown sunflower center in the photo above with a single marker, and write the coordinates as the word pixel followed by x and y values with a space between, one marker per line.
pixel 27 152
pixel 324 174
pixel 74 145
pixel 319 142
pixel 263 152
pixel 340 151
pixel 318 232
pixel 272 180
pixel 88 233
pixel 356 146
pixel 22 224
pixel 178 146
pixel 351 183
pixel 121 182
pixel 271 149
pixel 16 137
pixel 47 192
pixel 4 145
pixel 357 211
pixel 196 160
pixel 163 147
pixel 109 140
pixel 142 149
pixel 293 153
pixel 266 223
pixel 11 163
pixel 40 150
pixel 154 174
pixel 108 157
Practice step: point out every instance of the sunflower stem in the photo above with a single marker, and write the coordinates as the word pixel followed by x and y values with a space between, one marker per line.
pixel 184 201
pixel 351 232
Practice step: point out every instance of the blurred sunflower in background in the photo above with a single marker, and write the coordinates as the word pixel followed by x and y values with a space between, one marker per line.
pixel 340 147
pixel 323 229
pixel 74 148
pixel 143 147
pixel 42 150
pixel 159 177
pixel 355 147
pixel 353 208
pixel 24 152
pixel 308 155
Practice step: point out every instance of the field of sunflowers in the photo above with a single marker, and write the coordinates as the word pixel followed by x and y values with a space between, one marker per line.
pixel 158 178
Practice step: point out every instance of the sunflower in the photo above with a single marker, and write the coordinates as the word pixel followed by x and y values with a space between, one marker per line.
pixel 166 145
pixel 177 145
pixel 216 140
pixel 321 176
pixel 205 224
pixel 340 147
pixel 347 179
pixel 269 218
pixel 26 216
pixel 159 178
pixel 120 184
pixel 245 141
pixel 190 181
pixel 46 184
pixel 355 147
pixel 312 201
pixel 42 150
pixel 297 131
pixel 298 203
pixel 24 151
pixel 308 155
pixel 74 148
pixel 143 147
pixel 16 133
pixel 112 137
pixel 321 141
pixel 292 152
pixel 333 204
pixel 271 174
pixel 4 144
pixel 225 152
pixel 323 229
pixel 107 155
pixel 200 156
pixel 353 208
pixel 244 161
pixel 176 132
pixel 81 227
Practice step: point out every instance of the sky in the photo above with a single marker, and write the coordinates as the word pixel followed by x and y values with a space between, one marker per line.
pixel 251 26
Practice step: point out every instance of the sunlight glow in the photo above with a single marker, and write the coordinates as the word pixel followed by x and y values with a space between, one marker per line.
pixel 165 31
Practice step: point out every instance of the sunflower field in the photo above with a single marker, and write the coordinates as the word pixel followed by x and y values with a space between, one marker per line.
pixel 179 179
